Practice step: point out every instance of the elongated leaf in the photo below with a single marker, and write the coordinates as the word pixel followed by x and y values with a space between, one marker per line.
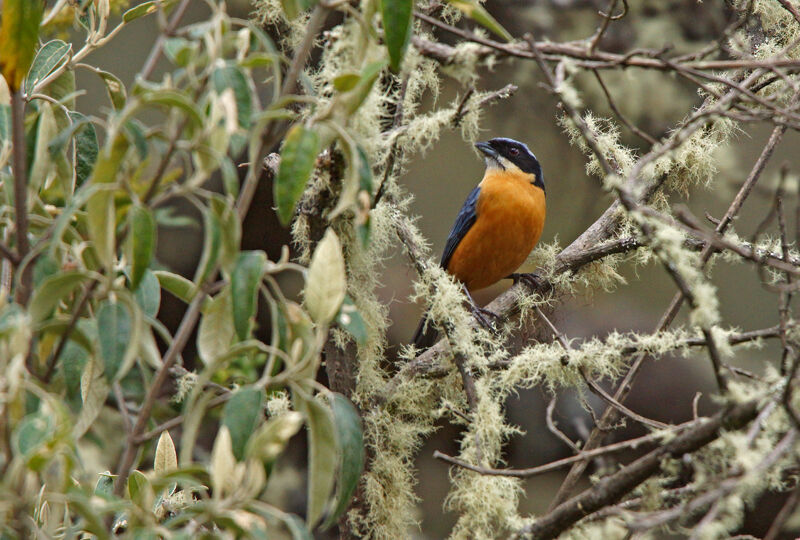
pixel 177 285
pixel 326 282
pixel 297 528
pixel 397 18
pixel 5 125
pixel 114 88
pixel 216 331
pixel 43 165
pixel 350 438
pixel 166 458
pixel 145 8
pixel 102 225
pixel 245 278
pixel 143 242
pixel 298 155
pixel 140 491
pixel 94 391
pixel 232 77
pixel 322 458
pixel 86 149
pixel 174 99
pixel 100 207
pixel 353 99
pixel 148 294
pixel 475 11
pixel 230 229
pixel 351 320
pixel 241 415
pixel 114 332
pixel 19 33
pixel 52 291
pixel 49 57
pixel 31 433
pixel 59 142
pixel 212 242
pixel 271 438
pixel 223 463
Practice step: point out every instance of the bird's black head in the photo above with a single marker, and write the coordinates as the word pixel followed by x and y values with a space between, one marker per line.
pixel 508 153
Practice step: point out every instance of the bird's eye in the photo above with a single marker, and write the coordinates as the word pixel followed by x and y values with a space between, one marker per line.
pixel 514 151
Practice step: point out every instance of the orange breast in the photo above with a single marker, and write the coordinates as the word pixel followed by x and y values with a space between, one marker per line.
pixel 510 220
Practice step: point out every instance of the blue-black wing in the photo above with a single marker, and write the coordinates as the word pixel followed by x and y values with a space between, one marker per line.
pixel 465 219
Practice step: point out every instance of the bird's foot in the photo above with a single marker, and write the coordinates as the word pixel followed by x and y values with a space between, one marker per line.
pixel 482 316
pixel 480 313
pixel 533 280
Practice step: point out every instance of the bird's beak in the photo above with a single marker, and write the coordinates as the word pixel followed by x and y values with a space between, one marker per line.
pixel 487 149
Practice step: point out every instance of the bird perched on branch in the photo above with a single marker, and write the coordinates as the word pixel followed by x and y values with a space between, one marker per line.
pixel 497 227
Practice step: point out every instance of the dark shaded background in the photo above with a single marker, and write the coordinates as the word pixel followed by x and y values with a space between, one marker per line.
pixel 441 179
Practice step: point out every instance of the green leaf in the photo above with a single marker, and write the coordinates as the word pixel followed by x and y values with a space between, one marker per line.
pixel 298 155
pixel 322 457
pixel 346 81
pixel 148 294
pixel 52 291
pixel 353 99
pixel 475 11
pixel 73 360
pixel 19 34
pixel 211 246
pixel 271 438
pixel 180 50
pixel 140 490
pixel 47 59
pixel 100 208
pixel 114 332
pixel 230 229
pixel 134 130
pixel 241 415
pixel 44 267
pixel 43 167
pixel 246 276
pixel 232 77
pixel 101 216
pixel 5 125
pixel 297 528
pixel 216 331
pixel 397 18
pixel 174 99
pixel 31 433
pixel 145 8
pixel 105 484
pixel 94 391
pixel 351 320
pixel 326 282
pixel 114 88
pixel 178 286
pixel 143 242
pixel 350 439
pixel 59 142
pixel 293 8
pixel 86 150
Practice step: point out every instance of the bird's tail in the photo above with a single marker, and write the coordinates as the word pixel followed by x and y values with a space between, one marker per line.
pixel 426 334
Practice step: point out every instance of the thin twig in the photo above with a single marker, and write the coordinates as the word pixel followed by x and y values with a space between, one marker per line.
pixel 581 456
pixel 551 425
pixel 158 47
pixel 73 320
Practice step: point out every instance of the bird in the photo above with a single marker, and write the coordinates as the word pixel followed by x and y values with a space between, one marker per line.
pixel 497 227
